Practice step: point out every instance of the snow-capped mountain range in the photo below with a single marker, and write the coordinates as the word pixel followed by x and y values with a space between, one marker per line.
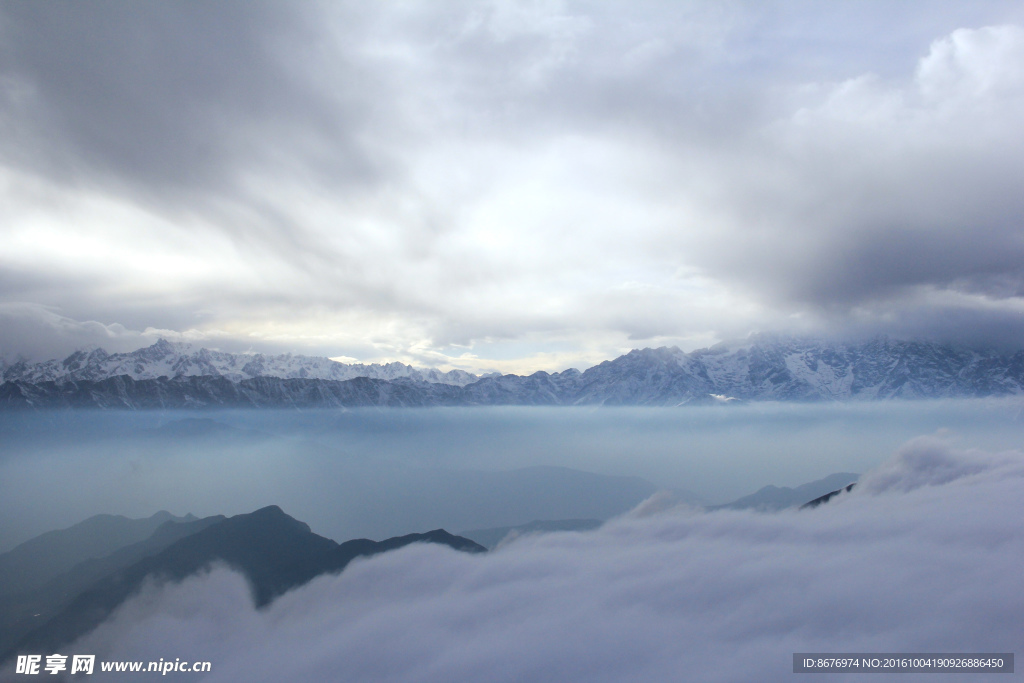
pixel 787 369
pixel 172 360
pixel 760 368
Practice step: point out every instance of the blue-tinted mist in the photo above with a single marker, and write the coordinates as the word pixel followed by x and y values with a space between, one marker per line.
pixel 377 472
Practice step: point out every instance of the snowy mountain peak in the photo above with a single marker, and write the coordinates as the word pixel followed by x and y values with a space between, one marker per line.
pixel 758 369
pixel 176 359
pixel 791 368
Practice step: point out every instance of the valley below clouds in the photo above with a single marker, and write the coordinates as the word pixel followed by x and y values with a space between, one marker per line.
pixel 923 556
pixel 384 472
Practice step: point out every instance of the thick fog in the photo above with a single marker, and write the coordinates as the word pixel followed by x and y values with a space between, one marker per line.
pixel 924 556
pixel 379 473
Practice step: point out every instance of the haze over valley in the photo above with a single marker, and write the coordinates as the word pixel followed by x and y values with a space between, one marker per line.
pixel 503 340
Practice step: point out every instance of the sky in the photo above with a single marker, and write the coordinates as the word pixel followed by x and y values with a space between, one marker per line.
pixel 923 556
pixel 507 186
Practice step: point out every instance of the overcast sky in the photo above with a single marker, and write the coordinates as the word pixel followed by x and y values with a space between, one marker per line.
pixel 507 185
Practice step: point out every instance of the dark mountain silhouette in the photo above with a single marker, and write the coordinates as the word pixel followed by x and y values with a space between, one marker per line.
pixel 40 559
pixel 274 551
pixel 22 612
pixel 773 498
pixel 826 498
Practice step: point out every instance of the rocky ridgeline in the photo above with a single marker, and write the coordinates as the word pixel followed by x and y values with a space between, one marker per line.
pixel 762 368
pixel 177 360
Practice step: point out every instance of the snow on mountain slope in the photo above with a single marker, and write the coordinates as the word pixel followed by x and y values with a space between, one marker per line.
pixel 166 359
pixel 761 368
pixel 786 369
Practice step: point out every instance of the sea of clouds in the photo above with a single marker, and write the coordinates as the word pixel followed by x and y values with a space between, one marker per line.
pixel 924 555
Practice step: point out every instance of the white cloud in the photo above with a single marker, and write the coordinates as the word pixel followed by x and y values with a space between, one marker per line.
pixel 387 182
pixel 973 65
pixel 925 557
pixel 926 461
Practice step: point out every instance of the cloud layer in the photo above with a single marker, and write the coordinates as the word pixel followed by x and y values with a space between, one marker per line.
pixel 525 185
pixel 923 557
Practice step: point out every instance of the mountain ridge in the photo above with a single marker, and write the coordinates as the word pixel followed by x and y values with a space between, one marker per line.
pixel 758 369
pixel 180 359
pixel 772 498
pixel 275 552
pixel 43 557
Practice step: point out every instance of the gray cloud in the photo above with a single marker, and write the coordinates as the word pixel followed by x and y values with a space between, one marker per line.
pixel 51 335
pixel 415 180
pixel 923 557
pixel 166 98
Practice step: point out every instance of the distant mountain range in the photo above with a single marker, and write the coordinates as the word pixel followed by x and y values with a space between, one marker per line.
pixel 44 557
pixel 762 368
pixel 766 499
pixel 274 551
pixel 59 586
pixel 177 360
pixel 775 498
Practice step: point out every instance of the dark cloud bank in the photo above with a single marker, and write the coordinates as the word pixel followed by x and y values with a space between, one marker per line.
pixel 924 556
